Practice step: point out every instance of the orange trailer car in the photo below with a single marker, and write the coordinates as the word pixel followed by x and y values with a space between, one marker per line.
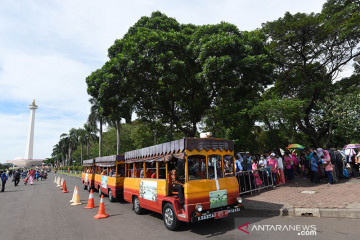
pixel 88 174
pixel 109 176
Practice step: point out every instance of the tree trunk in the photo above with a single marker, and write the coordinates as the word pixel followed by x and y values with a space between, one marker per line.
pixel 194 130
pixel 81 154
pixel 118 126
pixel 100 137
pixel 70 160
pixel 87 149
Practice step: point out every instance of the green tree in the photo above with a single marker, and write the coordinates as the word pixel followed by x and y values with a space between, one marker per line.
pixel 310 50
pixel 96 116
pixel 90 136
pixel 342 110
pixel 71 141
pixel 178 72
pixel 112 94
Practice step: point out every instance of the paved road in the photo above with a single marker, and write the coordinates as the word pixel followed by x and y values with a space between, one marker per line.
pixel 41 211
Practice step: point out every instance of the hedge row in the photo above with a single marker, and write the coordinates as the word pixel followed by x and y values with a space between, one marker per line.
pixel 72 168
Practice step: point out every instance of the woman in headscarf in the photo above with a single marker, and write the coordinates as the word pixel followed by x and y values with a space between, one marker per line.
pixel 328 166
pixel 258 181
pixel 288 166
pixel 272 163
pixel 320 154
pixel 295 163
pixel 281 168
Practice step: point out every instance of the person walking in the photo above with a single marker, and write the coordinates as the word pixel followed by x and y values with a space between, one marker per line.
pixel 31 176
pixel 4 178
pixel 16 178
pixel 37 174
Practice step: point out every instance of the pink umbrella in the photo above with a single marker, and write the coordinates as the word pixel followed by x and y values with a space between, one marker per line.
pixel 355 145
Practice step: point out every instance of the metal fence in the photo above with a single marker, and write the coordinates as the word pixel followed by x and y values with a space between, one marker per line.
pixel 254 180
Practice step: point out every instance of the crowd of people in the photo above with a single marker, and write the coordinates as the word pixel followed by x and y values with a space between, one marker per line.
pixel 29 175
pixel 256 171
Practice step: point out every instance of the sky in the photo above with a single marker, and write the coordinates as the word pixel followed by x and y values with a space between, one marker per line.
pixel 48 48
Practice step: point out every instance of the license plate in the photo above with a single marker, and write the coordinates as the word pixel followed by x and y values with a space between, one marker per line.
pixel 220 214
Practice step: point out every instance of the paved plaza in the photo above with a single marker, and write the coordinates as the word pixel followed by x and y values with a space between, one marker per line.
pixel 301 197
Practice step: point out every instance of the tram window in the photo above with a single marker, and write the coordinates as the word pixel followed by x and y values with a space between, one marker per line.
pixel 139 170
pixel 215 165
pixel 150 170
pixel 162 170
pixel 130 170
pixel 228 166
pixel 121 170
pixel 111 171
pixel 197 167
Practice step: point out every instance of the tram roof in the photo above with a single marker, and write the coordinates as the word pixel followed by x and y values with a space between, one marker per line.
pixel 179 146
pixel 88 162
pixel 111 158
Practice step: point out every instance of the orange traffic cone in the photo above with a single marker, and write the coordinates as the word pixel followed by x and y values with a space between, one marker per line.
pixel 64 188
pixel 73 196
pixel 91 203
pixel 77 198
pixel 101 214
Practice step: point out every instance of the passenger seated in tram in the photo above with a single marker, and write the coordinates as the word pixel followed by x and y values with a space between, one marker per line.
pixel 229 170
pixel 177 181
pixel 112 172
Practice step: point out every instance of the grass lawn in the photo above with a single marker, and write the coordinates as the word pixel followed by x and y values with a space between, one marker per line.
pixel 70 174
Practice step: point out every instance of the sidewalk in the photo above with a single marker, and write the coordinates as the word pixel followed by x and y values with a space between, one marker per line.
pixel 338 200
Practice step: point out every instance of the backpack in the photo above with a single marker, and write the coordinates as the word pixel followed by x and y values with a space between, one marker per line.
pixel 4 177
pixel 17 174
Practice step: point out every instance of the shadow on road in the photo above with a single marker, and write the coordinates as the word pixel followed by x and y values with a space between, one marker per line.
pixel 218 227
pixel 13 191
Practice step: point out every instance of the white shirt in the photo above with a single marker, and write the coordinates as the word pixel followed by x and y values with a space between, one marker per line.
pixel 280 163
pixel 263 161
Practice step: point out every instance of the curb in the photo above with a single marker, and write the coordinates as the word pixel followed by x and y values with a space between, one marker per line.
pixel 305 212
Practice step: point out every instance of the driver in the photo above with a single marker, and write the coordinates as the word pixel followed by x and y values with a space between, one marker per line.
pixel 178 185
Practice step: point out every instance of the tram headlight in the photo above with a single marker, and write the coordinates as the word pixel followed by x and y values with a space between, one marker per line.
pixel 239 199
pixel 198 207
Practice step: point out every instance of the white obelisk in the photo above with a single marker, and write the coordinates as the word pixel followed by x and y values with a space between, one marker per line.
pixel 30 137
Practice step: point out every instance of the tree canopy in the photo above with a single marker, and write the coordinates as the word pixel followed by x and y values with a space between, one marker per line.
pixel 176 73
pixel 310 50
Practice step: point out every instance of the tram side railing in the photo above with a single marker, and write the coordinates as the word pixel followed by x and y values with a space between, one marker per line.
pixel 254 180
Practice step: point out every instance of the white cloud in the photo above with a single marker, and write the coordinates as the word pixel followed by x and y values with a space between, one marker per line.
pixel 49 47
pixel 55 82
